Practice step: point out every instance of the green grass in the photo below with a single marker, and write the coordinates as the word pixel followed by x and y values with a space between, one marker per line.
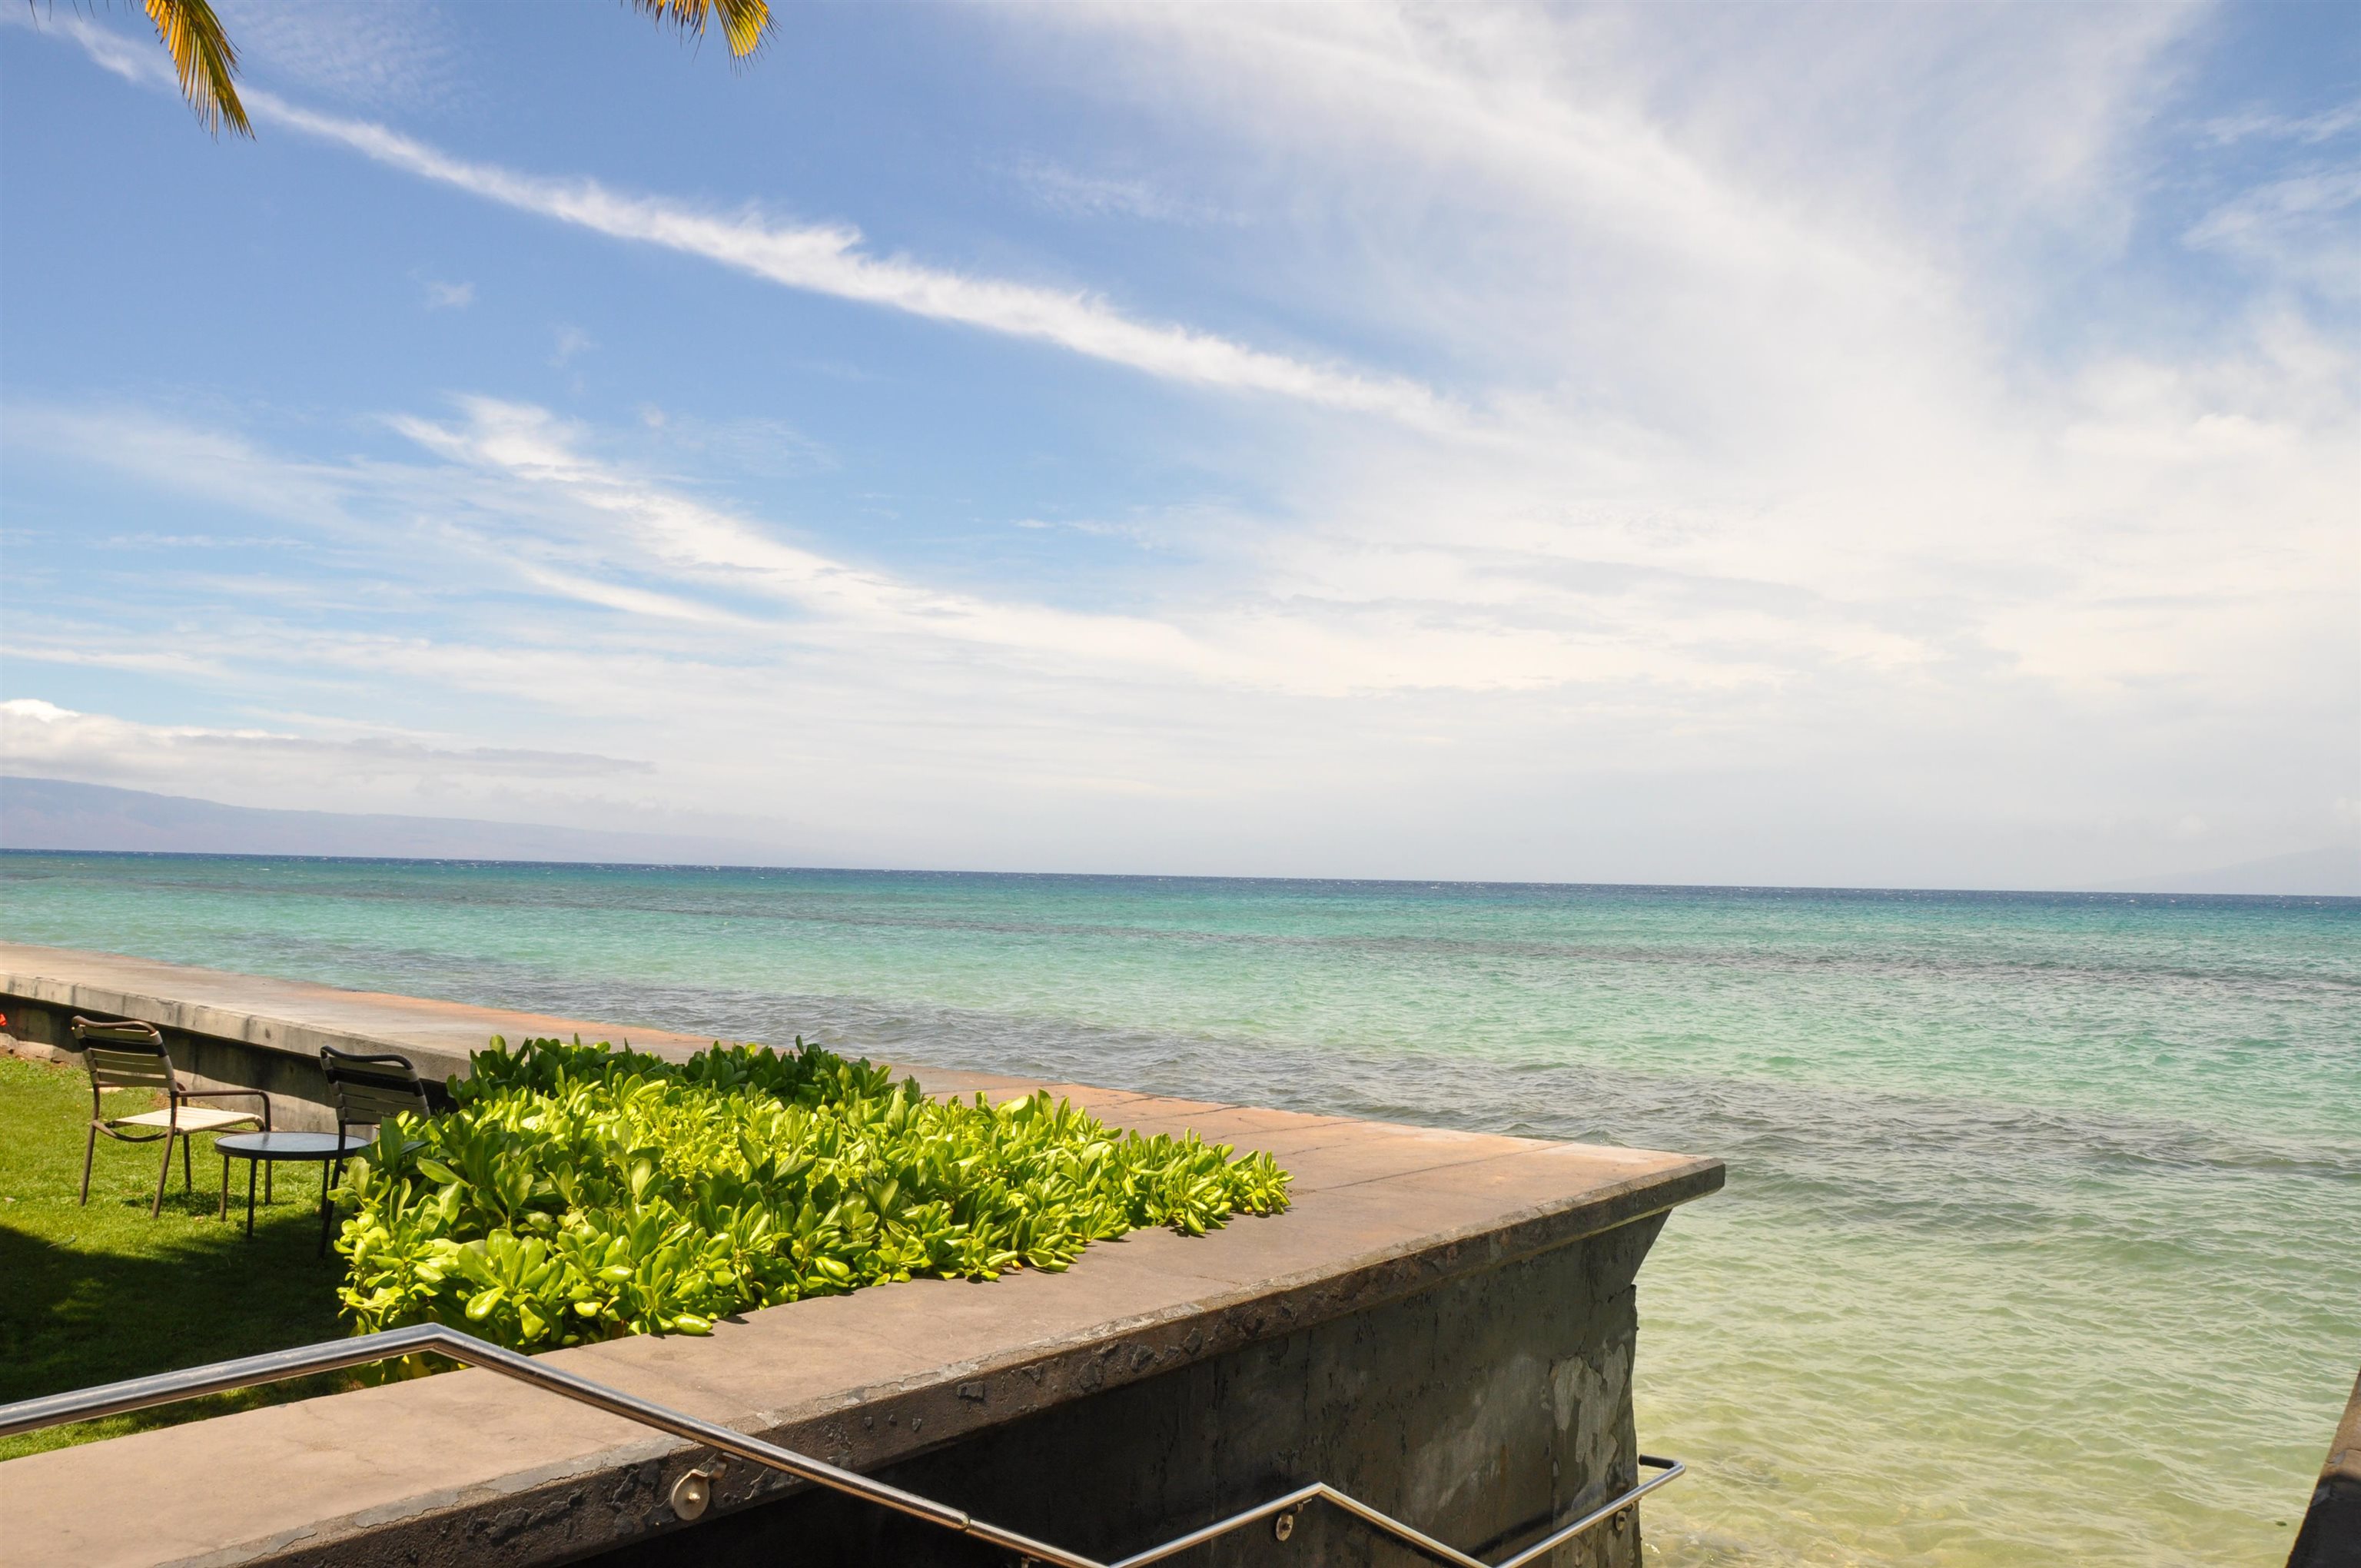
pixel 574 1194
pixel 98 1294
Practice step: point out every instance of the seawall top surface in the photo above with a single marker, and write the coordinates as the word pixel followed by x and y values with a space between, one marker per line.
pixel 292 1016
pixel 1381 1212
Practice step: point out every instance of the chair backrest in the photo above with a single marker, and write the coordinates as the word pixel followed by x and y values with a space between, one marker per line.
pixel 368 1089
pixel 124 1054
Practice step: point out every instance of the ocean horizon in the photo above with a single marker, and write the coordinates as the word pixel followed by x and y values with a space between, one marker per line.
pixel 1800 890
pixel 2038 1236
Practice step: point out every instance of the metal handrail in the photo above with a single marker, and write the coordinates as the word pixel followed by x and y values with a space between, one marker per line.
pixel 140 1393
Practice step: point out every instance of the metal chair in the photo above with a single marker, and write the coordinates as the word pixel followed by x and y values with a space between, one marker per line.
pixel 128 1054
pixel 367 1090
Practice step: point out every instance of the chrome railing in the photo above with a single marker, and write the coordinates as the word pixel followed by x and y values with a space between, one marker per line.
pixel 138 1393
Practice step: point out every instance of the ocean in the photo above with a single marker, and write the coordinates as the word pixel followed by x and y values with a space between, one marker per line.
pixel 2042 1238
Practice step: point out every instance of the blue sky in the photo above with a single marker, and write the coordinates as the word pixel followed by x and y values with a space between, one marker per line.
pixel 1907 445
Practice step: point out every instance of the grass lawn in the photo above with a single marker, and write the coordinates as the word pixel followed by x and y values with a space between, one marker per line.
pixel 98 1294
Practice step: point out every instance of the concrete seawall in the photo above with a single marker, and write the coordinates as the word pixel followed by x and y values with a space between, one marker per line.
pixel 252 1032
pixel 2331 1537
pixel 1444 1325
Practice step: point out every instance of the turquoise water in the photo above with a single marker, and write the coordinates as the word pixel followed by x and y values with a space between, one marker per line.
pixel 2042 1241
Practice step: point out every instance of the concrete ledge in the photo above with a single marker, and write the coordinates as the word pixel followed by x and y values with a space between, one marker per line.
pixel 2330 1536
pixel 471 1468
pixel 242 1031
pixel 285 1016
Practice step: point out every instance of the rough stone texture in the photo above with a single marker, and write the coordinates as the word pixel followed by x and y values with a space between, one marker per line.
pixel 1484 1412
pixel 1441 1324
pixel 2331 1537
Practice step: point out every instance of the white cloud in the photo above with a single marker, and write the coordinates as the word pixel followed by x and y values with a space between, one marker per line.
pixel 572 341
pixel 2316 195
pixel 1788 482
pixel 693 542
pixel 130 58
pixel 2270 124
pixel 1132 532
pixel 519 493
pixel 2302 227
pixel 1068 191
pixel 743 444
pixel 42 739
pixel 828 259
pixel 382 56
pixel 441 296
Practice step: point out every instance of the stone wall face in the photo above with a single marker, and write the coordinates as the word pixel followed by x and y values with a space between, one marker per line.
pixel 2330 1536
pixel 298 1089
pixel 1483 1412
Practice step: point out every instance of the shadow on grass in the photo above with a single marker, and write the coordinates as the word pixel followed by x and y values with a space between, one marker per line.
pixel 100 1292
pixel 96 1295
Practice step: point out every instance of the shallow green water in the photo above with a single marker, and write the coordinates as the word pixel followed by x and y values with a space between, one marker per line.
pixel 2042 1241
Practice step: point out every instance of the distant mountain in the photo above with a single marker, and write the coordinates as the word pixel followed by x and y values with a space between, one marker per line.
pixel 52 814
pixel 2332 872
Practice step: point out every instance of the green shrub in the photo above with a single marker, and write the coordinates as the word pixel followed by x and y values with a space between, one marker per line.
pixel 578 1193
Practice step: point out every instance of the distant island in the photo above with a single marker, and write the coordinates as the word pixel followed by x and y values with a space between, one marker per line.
pixel 59 813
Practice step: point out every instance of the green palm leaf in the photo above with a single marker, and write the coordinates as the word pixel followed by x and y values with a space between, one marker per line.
pixel 205 60
pixel 744 23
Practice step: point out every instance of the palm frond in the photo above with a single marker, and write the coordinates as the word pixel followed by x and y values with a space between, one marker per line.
pixel 207 61
pixel 746 23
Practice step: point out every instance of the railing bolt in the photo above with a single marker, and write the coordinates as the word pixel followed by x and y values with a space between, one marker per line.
pixel 1622 1520
pixel 1283 1526
pixel 690 1495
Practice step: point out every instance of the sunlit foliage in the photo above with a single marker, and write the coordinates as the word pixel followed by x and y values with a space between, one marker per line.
pixel 577 1193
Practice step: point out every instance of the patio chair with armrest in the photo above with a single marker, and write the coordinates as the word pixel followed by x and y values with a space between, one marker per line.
pixel 128 1054
pixel 368 1089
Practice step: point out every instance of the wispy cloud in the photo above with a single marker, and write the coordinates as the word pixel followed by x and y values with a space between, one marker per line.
pixel 1805 486
pixel 317 763
pixel 42 738
pixel 520 584
pixel 386 57
pixel 1064 189
pixel 691 540
pixel 441 296
pixel 744 444
pixel 2271 125
pixel 829 258
pixel 1096 528
pixel 2301 226
pixel 572 341
pixel 520 496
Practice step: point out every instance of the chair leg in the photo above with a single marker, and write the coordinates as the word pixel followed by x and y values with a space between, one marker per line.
pixel 327 1185
pixel 224 1211
pixel 163 1174
pixel 89 1152
pixel 188 1182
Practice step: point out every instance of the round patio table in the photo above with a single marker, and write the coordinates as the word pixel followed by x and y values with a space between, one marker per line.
pixel 323 1149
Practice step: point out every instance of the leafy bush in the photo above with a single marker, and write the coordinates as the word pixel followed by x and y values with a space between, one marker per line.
pixel 578 1193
